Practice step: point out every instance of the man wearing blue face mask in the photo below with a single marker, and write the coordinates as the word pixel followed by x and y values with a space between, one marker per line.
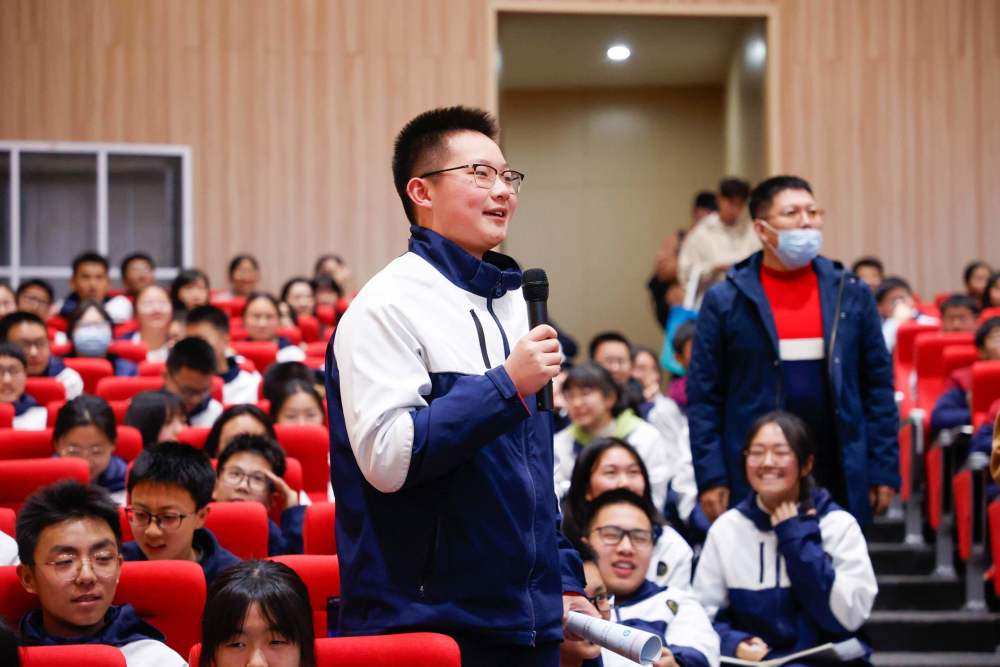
pixel 791 330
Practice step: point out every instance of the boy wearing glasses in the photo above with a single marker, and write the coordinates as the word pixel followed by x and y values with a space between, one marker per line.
pixel 28 414
pixel 170 486
pixel 620 531
pixel 69 541
pixel 188 376
pixel 28 331
pixel 250 469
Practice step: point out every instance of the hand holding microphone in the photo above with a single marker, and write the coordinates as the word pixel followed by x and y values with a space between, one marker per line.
pixel 535 360
pixel 536 296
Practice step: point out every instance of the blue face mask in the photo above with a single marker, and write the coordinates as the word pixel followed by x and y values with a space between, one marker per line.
pixel 92 340
pixel 797 247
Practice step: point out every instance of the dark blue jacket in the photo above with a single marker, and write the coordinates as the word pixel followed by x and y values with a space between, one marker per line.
pixel 950 410
pixel 736 377
pixel 121 626
pixel 286 538
pixel 214 558
pixel 467 540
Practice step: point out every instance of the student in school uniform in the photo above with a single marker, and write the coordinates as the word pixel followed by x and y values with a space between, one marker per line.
pixel 297 402
pixel 158 414
pixel 189 290
pixel 583 653
pixel 189 372
pixel 170 486
pixel 90 282
pixel 138 271
pixel 952 407
pixel 69 541
pixel 28 414
pixel 250 469
pixel 36 296
pixel 85 428
pixel 787 569
pixel 261 319
pixel 28 331
pixel 211 324
pixel 154 314
pixel 620 531
pixel 90 329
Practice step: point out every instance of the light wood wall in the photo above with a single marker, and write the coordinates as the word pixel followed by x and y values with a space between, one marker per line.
pixel 888 106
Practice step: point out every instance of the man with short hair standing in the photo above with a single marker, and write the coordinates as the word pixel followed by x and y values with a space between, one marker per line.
pixel 791 330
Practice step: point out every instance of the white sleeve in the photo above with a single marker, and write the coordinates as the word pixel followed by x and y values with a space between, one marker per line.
pixel 151 653
pixel 690 627
pixel 8 550
pixel 672 556
pixel 290 353
pixel 71 381
pixel 562 455
pixel 649 444
pixel 709 579
pixel 854 586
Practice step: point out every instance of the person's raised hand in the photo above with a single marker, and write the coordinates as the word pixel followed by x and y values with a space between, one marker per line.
pixel 714 501
pixel 580 604
pixel 880 497
pixel 284 495
pixel 534 360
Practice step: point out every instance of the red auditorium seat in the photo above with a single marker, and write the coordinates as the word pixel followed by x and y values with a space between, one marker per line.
pixel 8 519
pixel 126 349
pixel 418 649
pixel 150 586
pixel 985 389
pixel 125 328
pixel 261 353
pixel 20 477
pixel 902 359
pixel 311 446
pixel 57 322
pixel 78 655
pixel 194 436
pixel 232 307
pixel 318 534
pixel 152 368
pixel 6 415
pixel 240 527
pixel 961 485
pixel 291 333
pixel 321 575
pixel 124 388
pixel 45 389
pixel 994 532
pixel 38 444
pixel 988 313
pixel 314 362
pixel 316 349
pixel 928 358
pixel 326 315
pixel 91 369
pixel 60 349
pixel 958 356
pixel 309 326
pixel 118 407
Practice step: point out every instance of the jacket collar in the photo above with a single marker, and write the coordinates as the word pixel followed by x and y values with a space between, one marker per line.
pixel 647 590
pixel 821 499
pixel 121 626
pixel 24 404
pixel 232 370
pixel 55 367
pixel 113 477
pixel 490 278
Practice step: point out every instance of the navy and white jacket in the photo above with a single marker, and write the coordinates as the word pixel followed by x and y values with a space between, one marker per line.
pixel 239 385
pixel 29 415
pixel 674 615
pixel 446 515
pixel 286 538
pixel 212 556
pixel 802 583
pixel 69 378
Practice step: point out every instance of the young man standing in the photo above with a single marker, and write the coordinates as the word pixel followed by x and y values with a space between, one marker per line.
pixel 442 465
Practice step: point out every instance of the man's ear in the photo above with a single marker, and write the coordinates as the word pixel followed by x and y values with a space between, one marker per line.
pixel 419 192
pixel 200 516
pixel 27 576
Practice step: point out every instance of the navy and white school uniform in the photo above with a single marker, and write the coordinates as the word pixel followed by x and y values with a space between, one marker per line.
pixel 670 564
pixel 112 479
pixel 68 378
pixel 674 615
pixel 670 421
pixel 159 354
pixel 288 351
pixel 286 538
pixel 29 415
pixel 802 583
pixel 140 643
pixel 212 556
pixel 205 414
pixel 239 385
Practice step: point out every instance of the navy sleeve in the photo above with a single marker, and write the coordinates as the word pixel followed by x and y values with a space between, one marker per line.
pixel 950 410
pixel 706 388
pixel 810 570
pixel 729 636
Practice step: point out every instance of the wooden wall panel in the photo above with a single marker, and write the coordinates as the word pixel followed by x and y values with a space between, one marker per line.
pixel 887 106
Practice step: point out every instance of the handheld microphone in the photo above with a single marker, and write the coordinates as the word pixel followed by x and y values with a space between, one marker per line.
pixel 536 294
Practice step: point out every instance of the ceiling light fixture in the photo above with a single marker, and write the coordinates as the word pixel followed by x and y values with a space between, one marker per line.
pixel 619 52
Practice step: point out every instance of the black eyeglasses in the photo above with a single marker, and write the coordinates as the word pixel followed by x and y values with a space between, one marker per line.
pixel 486 175
pixel 601 602
pixel 612 535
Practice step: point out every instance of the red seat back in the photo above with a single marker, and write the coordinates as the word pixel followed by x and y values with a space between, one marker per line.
pixel 169 594
pixel 311 446
pixel 91 370
pixel 57 322
pixel 124 388
pixel 78 655
pixel 8 520
pixel 928 356
pixel 316 349
pixel 318 531
pixel 985 389
pixel 291 333
pixel 902 358
pixel 126 349
pixel 20 477
pixel 152 368
pixel 994 531
pixel 240 527
pixel 232 306
pixel 961 485
pixel 988 313
pixel 321 575
pixel 958 356
pixel 932 470
pixel 261 353
pixel 16 444
pixel 309 326
pixel 45 389
pixel 194 436
pixel 6 415
pixel 418 649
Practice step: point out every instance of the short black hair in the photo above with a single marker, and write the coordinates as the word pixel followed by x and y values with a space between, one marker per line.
pixel 194 353
pixel 889 284
pixel 871 261
pixel 65 500
pixel 970 268
pixel 238 259
pixel 280 394
pixel 86 410
pixel 81 310
pixel 212 442
pixel 148 411
pixel 291 282
pixel 322 259
pixel 211 315
pixel 172 463
pixel 254 296
pixel 994 279
pixel 262 446
pixel 608 337
pixel 325 282
pixel 592 376
pixel 183 279
pixel 135 257
pixel 280 374
pixel 278 592
pixel 765 192
pixel 960 301
pixel 89 257
pixel 621 496
pixel 18 317
pixel 706 199
pixel 39 283
pixel 734 188
pixel 422 140
pixel 683 334
pixel 11 350
pixel 985 329
pixel 800 441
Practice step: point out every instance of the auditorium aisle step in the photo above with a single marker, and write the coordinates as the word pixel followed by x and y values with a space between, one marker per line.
pixel 918 619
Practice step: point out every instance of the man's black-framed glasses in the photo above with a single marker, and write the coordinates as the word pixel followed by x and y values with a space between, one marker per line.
pixel 486 175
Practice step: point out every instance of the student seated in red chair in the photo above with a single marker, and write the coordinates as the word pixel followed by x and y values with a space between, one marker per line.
pixel 90 282
pixel 90 329
pixel 297 402
pixel 257 613
pixel 85 427
pixel 952 408
pixel 158 414
pixel 189 372
pixel 250 470
pixel 28 414
pixel 170 486
pixel 959 313
pixel 28 332
pixel 261 318
pixel 69 541
pixel 211 324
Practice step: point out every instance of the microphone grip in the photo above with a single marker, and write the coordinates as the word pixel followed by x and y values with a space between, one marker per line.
pixel 538 313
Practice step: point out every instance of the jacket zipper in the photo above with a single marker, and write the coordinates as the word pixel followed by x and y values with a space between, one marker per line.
pixel 482 338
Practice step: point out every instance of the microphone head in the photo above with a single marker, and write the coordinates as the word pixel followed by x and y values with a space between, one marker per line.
pixel 536 285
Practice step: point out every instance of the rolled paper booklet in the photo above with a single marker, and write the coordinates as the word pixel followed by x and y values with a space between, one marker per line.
pixel 636 645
